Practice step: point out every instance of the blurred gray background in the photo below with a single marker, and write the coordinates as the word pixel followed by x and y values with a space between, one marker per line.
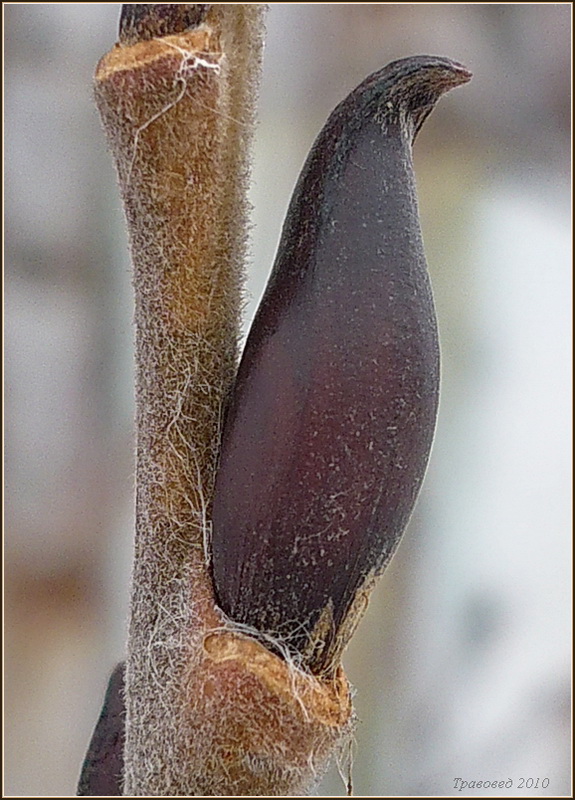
pixel 462 664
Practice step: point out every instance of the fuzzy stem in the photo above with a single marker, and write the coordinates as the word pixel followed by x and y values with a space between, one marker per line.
pixel 208 711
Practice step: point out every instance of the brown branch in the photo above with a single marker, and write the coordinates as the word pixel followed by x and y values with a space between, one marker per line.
pixel 208 711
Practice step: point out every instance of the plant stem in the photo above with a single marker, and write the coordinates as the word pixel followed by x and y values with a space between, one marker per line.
pixel 208 711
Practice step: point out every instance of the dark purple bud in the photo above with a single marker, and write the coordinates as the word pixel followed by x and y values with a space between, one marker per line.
pixel 330 423
pixel 104 763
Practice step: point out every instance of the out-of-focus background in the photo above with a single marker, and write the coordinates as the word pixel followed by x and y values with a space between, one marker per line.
pixel 462 664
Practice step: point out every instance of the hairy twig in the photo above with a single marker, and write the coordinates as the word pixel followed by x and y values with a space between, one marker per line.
pixel 209 710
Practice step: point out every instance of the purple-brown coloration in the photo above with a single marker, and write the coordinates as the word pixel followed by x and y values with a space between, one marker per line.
pixel 103 766
pixel 142 21
pixel 330 424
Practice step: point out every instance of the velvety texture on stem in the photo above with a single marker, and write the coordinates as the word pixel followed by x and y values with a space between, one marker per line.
pixel 209 711
pixel 142 21
pixel 329 427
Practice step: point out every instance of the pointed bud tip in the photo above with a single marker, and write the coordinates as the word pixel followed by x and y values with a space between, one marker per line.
pixel 416 84
pixel 434 73
pixel 451 73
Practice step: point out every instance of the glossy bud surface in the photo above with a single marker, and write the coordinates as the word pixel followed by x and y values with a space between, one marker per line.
pixel 329 428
